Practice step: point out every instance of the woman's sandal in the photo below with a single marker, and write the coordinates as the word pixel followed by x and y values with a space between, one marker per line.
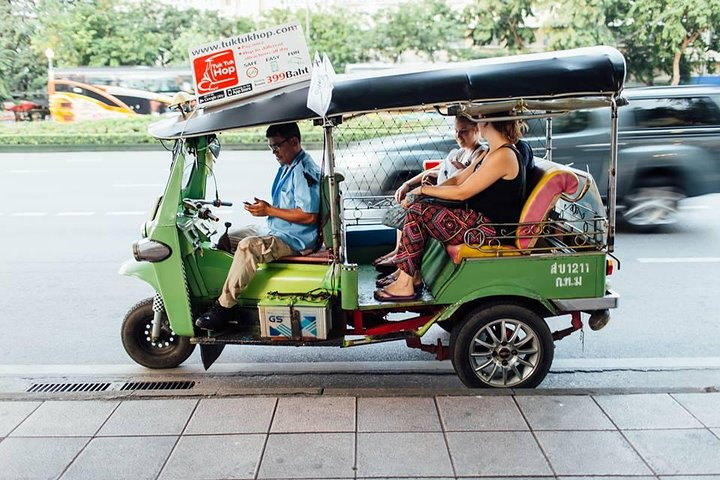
pixel 384 258
pixel 385 281
pixel 382 295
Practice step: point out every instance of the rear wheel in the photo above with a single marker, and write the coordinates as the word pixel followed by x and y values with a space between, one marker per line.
pixel 502 346
pixel 167 351
pixel 652 205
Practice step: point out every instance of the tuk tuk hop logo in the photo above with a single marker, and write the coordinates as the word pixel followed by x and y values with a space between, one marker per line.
pixel 215 71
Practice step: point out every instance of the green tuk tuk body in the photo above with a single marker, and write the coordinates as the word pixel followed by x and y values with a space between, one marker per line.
pixel 492 299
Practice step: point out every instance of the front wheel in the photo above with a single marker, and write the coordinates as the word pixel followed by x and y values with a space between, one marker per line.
pixel 168 351
pixel 502 346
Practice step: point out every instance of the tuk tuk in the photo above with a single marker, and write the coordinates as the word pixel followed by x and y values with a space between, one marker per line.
pixel 495 299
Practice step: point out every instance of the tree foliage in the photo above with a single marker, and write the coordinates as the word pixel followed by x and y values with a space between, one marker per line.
pixel 23 69
pixel 426 27
pixel 679 29
pixel 656 36
pixel 337 32
pixel 501 22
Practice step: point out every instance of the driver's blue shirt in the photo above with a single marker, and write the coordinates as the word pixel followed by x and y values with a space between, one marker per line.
pixel 296 186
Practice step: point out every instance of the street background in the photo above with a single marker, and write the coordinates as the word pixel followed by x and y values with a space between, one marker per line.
pixel 68 220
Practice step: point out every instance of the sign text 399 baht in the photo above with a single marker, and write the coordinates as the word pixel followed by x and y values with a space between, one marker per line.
pixel 249 64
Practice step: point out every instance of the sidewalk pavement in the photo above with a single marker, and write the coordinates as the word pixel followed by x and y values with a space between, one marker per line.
pixel 639 436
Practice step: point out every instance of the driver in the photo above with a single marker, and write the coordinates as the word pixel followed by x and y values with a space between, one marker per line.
pixel 290 227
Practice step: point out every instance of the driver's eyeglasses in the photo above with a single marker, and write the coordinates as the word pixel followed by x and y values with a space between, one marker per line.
pixel 276 146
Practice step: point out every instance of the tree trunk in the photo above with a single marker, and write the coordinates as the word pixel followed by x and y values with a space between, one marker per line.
pixel 678 54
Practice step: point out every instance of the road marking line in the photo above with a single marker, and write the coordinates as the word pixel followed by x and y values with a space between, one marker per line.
pixel 125 213
pixel 142 185
pixel 75 214
pixel 28 214
pixel 679 260
pixel 417 366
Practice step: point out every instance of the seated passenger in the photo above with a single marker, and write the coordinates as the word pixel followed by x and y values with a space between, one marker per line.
pixel 290 228
pixel 491 190
pixel 467 137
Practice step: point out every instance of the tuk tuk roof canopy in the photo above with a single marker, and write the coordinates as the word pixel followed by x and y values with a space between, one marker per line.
pixel 551 79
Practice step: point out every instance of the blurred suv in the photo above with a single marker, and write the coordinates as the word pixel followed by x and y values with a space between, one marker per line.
pixel 668 149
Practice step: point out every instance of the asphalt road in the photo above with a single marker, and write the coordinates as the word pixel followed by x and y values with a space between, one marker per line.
pixel 67 221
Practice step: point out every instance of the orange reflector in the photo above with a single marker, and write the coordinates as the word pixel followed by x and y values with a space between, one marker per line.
pixel 609 269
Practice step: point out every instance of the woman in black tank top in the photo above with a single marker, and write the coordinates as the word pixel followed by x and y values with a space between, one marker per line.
pixel 489 191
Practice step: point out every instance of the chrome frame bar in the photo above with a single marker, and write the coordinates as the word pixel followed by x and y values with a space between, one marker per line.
pixel 338 243
pixel 548 138
pixel 612 176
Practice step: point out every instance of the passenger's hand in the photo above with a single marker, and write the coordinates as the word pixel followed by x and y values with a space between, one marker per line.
pixel 258 209
pixel 429 177
pixel 401 192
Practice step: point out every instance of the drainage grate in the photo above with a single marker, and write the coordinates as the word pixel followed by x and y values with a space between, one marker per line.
pixel 68 387
pixel 185 385
pixel 113 386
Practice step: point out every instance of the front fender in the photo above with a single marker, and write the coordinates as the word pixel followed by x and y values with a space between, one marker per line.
pixel 142 270
pixel 172 290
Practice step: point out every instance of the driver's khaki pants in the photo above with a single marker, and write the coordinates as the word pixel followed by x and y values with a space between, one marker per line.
pixel 250 251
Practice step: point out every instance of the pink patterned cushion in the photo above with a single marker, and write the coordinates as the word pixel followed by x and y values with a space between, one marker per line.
pixel 555 181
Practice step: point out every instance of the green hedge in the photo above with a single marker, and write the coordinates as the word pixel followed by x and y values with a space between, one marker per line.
pixel 127 131
pixel 133 131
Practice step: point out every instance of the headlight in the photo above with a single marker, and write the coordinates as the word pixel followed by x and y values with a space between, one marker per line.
pixel 147 250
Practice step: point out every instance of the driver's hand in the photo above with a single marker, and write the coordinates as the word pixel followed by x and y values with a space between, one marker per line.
pixel 258 209
pixel 401 192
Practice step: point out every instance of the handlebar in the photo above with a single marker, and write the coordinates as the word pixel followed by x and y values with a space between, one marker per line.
pixel 214 203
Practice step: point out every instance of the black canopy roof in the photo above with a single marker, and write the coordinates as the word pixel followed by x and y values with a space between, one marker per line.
pixel 579 72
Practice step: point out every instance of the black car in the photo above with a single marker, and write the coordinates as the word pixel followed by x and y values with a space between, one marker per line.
pixel 668 149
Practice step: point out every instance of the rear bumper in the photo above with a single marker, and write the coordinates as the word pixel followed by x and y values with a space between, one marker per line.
pixel 610 300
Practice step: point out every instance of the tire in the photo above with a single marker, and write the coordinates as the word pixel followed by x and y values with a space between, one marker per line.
pixel 480 358
pixel 170 351
pixel 652 205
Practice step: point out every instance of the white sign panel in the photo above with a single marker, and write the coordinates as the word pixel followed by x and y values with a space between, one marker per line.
pixel 321 85
pixel 242 66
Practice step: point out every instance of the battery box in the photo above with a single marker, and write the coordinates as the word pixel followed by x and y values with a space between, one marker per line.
pixel 292 319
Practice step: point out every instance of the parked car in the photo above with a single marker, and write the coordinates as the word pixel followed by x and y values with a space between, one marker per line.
pixel 668 149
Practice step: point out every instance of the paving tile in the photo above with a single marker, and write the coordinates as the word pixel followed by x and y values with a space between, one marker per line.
pixel 402 454
pixel 314 414
pixel 705 406
pixel 645 411
pixel 397 414
pixel 492 412
pixel 65 418
pixel 12 413
pixel 308 455
pixel 678 452
pixel 716 431
pixel 608 478
pixel 496 453
pixel 214 457
pixel 591 453
pixel 149 417
pixel 563 412
pixel 31 458
pixel 232 415
pixel 131 458
pixel 690 477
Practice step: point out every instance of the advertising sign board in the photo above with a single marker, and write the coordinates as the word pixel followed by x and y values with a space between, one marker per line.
pixel 248 64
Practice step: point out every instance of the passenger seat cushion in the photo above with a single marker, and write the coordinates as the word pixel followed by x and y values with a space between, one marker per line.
pixel 458 253
pixel 554 182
